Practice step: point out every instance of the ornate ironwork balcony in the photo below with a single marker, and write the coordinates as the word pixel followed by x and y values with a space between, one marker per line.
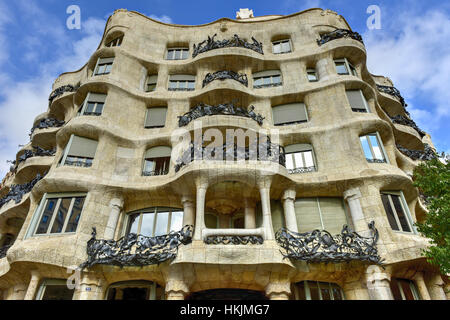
pixel 427 154
pixel 61 90
pixel 234 240
pixel 407 122
pixel 36 152
pixel 393 92
pixel 321 246
pixel 47 123
pixel 211 44
pixel 302 170
pixel 4 250
pixel 222 75
pixel 274 153
pixel 376 160
pixel 337 34
pixel 202 110
pixel 17 191
pixel 136 250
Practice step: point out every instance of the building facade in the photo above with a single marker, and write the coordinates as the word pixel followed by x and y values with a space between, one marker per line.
pixel 249 158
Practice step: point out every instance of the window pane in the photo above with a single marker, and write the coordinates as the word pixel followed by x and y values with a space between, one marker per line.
pixel 90 107
pixel 286 46
pixel 210 221
pixel 312 76
pixel 400 213
pixel 57 292
pixel 309 161
pixel 99 108
pixel 366 147
pixel 133 223
pixel 325 291
pixel 290 161
pixel 341 68
pixel 258 82
pixel 395 289
pixel 389 212
pixel 46 216
pixel 172 84
pixel 405 285
pixel 147 224
pixel 277 48
pixel 161 223
pixel 176 222
pixel 108 68
pixel 307 213
pixel 336 292
pixel 301 291
pixel 75 215
pixel 61 215
pixel 191 85
pixel 101 69
pixel 170 55
pixel 276 79
pixel 299 160
pixel 149 166
pixel 239 223
pixel 177 54
pixel 376 147
pixel 314 290
pixel 182 84
pixel 185 54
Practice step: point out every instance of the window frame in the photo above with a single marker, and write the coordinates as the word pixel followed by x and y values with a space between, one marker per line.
pixel 116 42
pixel 86 101
pixel 174 49
pixel 63 160
pixel 412 286
pixel 270 77
pixel 141 212
pixel 98 64
pixel 311 70
pixel 380 142
pixel 351 70
pixel 49 282
pixel 303 159
pixel 150 285
pixel 280 42
pixel 147 82
pixel 292 122
pixel 146 116
pixel 307 292
pixel 366 104
pixel 179 81
pixel 406 212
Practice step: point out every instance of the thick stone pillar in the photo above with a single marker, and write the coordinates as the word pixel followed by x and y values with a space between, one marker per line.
pixel 32 286
pixel 436 287
pixel 90 288
pixel 378 283
pixel 352 197
pixel 249 214
pixel 421 286
pixel 323 68
pixel 200 210
pixel 188 211
pixel 116 205
pixel 278 290
pixel 264 190
pixel 288 199
pixel 176 286
pixel 355 290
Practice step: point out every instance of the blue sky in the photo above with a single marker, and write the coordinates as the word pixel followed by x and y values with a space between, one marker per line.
pixel 412 48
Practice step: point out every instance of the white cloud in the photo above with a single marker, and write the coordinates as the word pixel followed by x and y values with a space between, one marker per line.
pixel 163 18
pixel 293 6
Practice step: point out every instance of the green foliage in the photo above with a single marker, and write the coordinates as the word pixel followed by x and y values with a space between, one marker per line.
pixel 433 180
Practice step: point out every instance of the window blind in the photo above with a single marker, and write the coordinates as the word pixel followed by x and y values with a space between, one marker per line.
pixel 156 117
pixel 287 113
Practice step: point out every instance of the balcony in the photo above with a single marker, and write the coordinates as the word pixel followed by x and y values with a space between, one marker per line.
pixel 47 123
pixel 223 75
pixel 337 34
pixel 427 154
pixel 393 92
pixel 17 192
pixel 211 44
pixel 61 90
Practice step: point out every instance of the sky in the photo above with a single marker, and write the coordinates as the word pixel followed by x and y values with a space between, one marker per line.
pixel 411 47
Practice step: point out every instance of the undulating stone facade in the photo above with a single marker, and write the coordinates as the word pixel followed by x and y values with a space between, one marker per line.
pixel 124 211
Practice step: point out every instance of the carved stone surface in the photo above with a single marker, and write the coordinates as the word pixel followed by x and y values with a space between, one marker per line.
pixel 47 123
pixel 427 154
pixel 407 122
pixel 136 250
pixel 211 44
pixel 321 246
pixel 393 92
pixel 4 250
pixel 59 91
pixel 17 191
pixel 202 110
pixel 302 170
pixel 234 240
pixel 222 75
pixel 275 153
pixel 337 34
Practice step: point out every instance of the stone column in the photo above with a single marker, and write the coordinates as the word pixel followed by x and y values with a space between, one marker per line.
pixel 436 287
pixel 323 67
pixel 249 214
pixel 378 283
pixel 176 286
pixel 421 286
pixel 17 292
pixel 264 190
pixel 200 210
pixel 278 290
pixel 90 288
pixel 116 205
pixel 32 286
pixel 188 211
pixel 352 197
pixel 288 199
pixel 355 290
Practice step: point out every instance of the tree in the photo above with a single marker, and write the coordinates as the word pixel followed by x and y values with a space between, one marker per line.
pixel 433 180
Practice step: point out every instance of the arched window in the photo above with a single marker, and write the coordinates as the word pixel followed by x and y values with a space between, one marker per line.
pixel 157 161
pixel 152 222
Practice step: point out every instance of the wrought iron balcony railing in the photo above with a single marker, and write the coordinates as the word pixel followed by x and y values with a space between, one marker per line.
pixel 47 123
pixel 268 85
pixel 337 34
pixel 302 170
pixel 222 75
pixel 234 240
pixel 211 44
pixel 59 91
pixel 136 250
pixel 203 110
pixel 393 92
pixel 321 246
pixel 407 122
pixel 376 160
pixel 273 152
pixel 427 154
pixel 17 191
pixel 36 152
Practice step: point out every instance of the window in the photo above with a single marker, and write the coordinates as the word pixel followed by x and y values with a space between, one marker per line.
pixel 154 222
pixel 357 101
pixel 103 66
pixel 235 221
pixel 177 53
pixel 156 117
pixel 315 290
pixel 397 212
pixel 135 290
pixel 92 105
pixel 79 152
pixel 54 289
pixel 59 214
pixel 320 213
pixel 150 84
pixel 344 67
pixel 373 149
pixel 211 221
pixel 116 42
pixel 292 113
pixel 299 158
pixel 403 289
pixel 282 46
pixel 181 83
pixel 270 78
pixel 157 161
pixel 312 75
